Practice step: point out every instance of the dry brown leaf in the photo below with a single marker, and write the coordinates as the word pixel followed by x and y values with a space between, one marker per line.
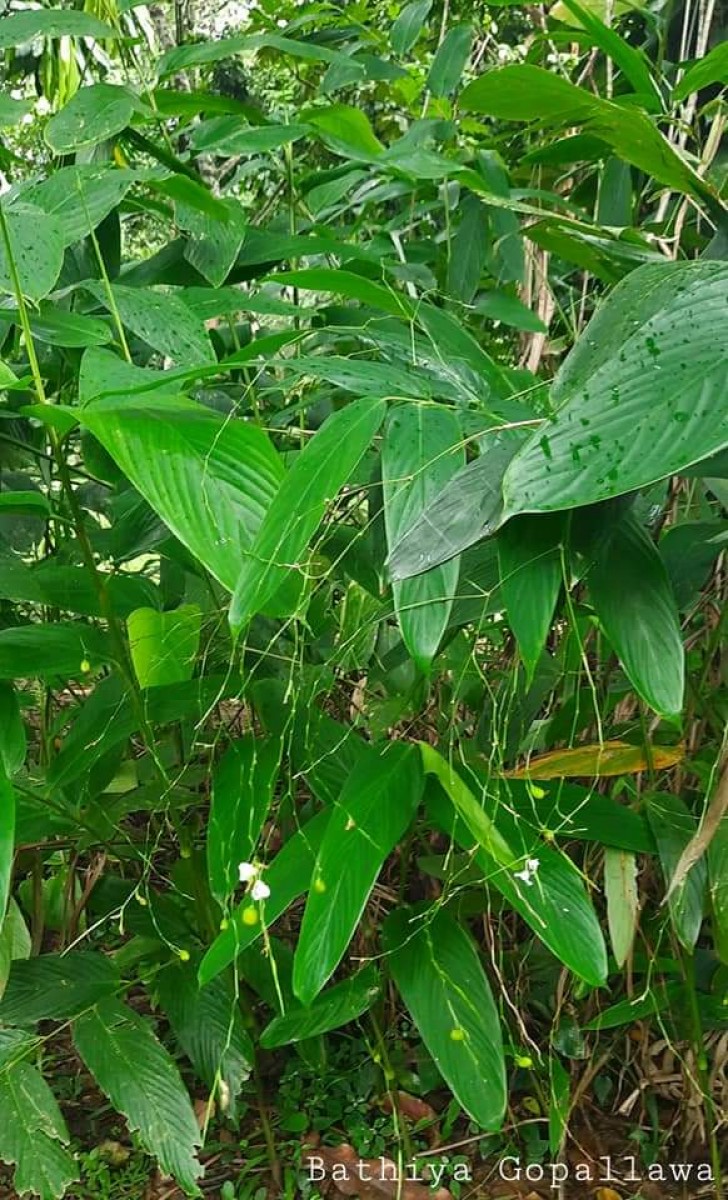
pixel 697 845
pixel 367 1178
pixel 416 1110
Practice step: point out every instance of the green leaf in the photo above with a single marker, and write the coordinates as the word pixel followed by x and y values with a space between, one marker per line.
pixel 141 1080
pixel 633 600
pixel 295 513
pixel 376 805
pixel 81 196
pixel 631 62
pixel 673 827
pixel 469 250
pixel 181 58
pixel 523 93
pixel 56 327
pixel 33 1133
pixel 162 320
pixel 12 111
pixel 450 61
pixel 242 793
pixel 30 504
pixel 214 482
pixel 12 731
pixel 93 115
pixel 718 888
pixel 421 451
pixel 689 551
pixel 472 815
pixel 623 906
pixel 215 241
pixel 164 645
pixel 409 25
pixel 436 968
pixel 52 651
pixel 509 310
pixel 21 27
pixel 7 839
pixel 15 943
pixel 208 1024
pixel 711 69
pixel 469 508
pixel 226 136
pixel 108 717
pixel 38 261
pixel 332 1008
pixel 529 556
pixel 555 891
pixel 288 877
pixel 623 419
pixel 345 130
pixel 56 987
pixel 348 284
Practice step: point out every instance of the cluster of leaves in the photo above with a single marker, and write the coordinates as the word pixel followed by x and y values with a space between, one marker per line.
pixel 315 556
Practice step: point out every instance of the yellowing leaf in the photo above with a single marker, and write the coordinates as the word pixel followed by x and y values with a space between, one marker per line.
pixel 605 758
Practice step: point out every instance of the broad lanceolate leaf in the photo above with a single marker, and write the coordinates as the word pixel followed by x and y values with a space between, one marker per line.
pixel 162 320
pixel 12 731
pixel 62 651
pixel 208 1025
pixel 529 555
pixel 56 987
pixel 631 593
pixel 540 883
pixel 36 261
pixel 300 502
pixel 437 970
pixel 711 69
pixel 210 479
pixel 640 397
pixel 620 886
pixel 108 717
pixel 288 878
pixel 718 888
pixel 673 827
pixel 374 809
pixel 450 60
pixel 164 645
pixel 523 93
pixel 141 1080
pixel 242 792
pixel 20 27
pixel 81 196
pixel 332 1008
pixel 422 450
pixel 7 838
pixel 94 114
pixel 408 25
pixel 33 1133
pixel 469 508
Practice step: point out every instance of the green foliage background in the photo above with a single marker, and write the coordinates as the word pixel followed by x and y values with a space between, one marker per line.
pixel 363 434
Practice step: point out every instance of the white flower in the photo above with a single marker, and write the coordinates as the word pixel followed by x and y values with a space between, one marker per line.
pixel 528 872
pixel 259 890
pixel 247 871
